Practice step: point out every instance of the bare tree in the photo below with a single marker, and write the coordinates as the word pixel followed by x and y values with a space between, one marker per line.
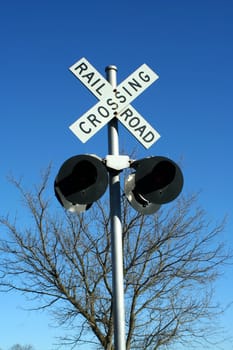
pixel 21 347
pixel 63 261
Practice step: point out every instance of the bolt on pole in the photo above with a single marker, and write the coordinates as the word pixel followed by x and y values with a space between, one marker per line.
pixel 116 229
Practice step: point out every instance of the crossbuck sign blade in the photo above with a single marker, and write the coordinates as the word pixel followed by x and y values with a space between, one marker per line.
pixel 114 103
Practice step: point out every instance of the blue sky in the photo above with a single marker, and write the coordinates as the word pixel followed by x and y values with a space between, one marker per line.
pixel 189 44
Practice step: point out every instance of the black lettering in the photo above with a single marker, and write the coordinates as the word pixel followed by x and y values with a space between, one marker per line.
pixel 93 120
pixel 128 113
pixel 89 76
pixel 141 129
pixel 103 111
pixel 145 78
pixel 82 67
pixel 95 82
pixel 132 123
pixel 120 97
pixel 100 87
pixel 150 135
pixel 85 131
pixel 114 105
pixel 127 91
pixel 134 84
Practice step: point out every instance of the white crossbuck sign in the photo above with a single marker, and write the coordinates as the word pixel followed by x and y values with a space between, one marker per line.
pixel 114 103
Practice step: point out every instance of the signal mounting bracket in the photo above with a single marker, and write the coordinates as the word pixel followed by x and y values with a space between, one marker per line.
pixel 118 163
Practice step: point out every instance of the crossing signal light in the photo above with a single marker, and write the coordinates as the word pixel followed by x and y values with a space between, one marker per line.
pixel 81 180
pixel 156 181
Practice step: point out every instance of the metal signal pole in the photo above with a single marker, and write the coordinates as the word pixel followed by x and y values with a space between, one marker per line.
pixel 116 229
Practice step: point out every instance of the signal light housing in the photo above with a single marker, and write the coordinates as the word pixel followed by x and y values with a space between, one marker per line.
pixel 81 180
pixel 156 181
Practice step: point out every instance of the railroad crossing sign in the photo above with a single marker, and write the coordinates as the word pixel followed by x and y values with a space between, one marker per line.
pixel 114 103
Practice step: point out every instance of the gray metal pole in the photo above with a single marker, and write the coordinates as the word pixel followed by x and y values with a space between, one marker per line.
pixel 116 229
